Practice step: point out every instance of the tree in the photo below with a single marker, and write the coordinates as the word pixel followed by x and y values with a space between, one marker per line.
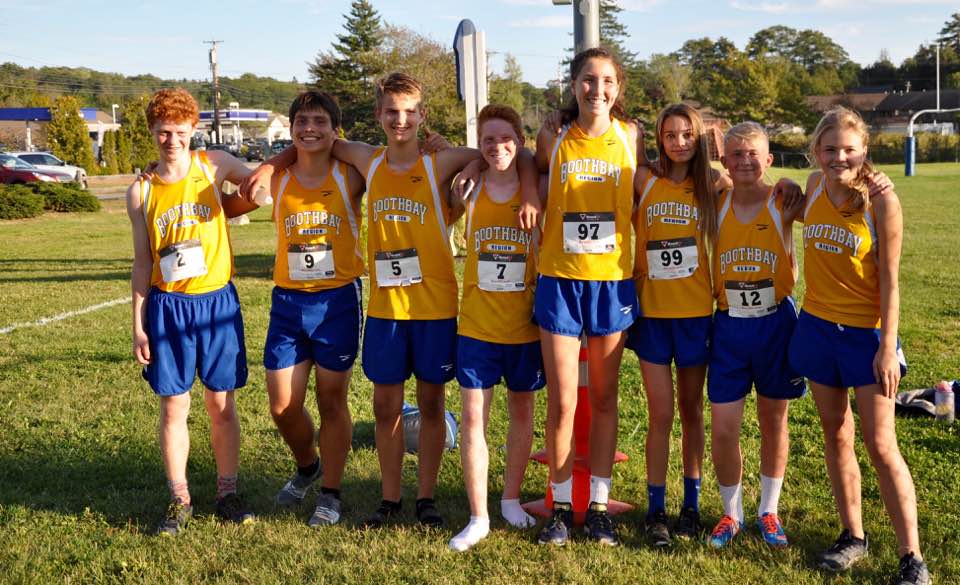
pixel 134 126
pixel 108 153
pixel 350 70
pixel 123 153
pixel 508 89
pixel 67 134
pixel 950 33
pixel 613 33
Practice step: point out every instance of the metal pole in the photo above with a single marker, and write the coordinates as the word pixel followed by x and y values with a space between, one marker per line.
pixel 216 90
pixel 586 25
pixel 938 76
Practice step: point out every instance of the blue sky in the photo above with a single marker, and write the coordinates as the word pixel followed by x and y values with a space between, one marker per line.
pixel 278 38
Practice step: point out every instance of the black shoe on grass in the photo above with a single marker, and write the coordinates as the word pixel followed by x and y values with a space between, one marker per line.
pixel 846 551
pixel 912 571
pixel 382 514
pixel 175 519
pixel 657 529
pixel 231 508
pixel 599 527
pixel 427 513
pixel 688 524
pixel 557 529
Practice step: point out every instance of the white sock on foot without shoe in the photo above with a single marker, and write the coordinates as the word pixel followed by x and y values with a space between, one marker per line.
pixel 515 515
pixel 476 530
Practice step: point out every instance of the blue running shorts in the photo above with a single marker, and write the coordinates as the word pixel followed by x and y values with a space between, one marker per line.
pixel 685 341
pixel 839 356
pixel 394 349
pixel 482 364
pixel 323 326
pixel 598 307
pixel 191 333
pixel 748 352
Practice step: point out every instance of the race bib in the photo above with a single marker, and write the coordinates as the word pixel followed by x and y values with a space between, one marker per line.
pixel 750 299
pixel 589 233
pixel 501 272
pixel 398 268
pixel 672 259
pixel 182 260
pixel 310 261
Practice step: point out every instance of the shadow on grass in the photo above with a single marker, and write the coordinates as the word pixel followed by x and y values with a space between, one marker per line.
pixel 81 277
pixel 254 265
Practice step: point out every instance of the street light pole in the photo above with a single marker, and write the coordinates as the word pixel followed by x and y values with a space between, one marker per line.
pixel 113 110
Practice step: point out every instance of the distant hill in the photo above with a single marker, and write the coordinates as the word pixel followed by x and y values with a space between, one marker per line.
pixel 30 86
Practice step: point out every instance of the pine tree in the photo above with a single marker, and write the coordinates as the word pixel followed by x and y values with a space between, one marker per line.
pixel 67 134
pixel 613 33
pixel 123 153
pixel 349 72
pixel 134 125
pixel 108 153
pixel 950 33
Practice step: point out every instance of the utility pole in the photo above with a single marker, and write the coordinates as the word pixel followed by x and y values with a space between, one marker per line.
pixel 216 90
pixel 586 23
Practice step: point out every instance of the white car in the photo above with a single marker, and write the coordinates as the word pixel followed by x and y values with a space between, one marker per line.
pixel 48 163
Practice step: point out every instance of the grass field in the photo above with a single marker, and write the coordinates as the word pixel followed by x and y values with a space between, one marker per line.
pixel 82 487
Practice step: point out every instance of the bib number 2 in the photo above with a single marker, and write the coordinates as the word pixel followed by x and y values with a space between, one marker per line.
pixel 182 260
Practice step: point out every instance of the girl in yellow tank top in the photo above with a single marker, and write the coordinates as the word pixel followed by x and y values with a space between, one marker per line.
pixel 847 333
pixel 407 215
pixel 585 285
pixel 317 233
pixel 674 220
pixel 188 231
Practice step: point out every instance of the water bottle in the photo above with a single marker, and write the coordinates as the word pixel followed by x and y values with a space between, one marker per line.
pixel 262 196
pixel 944 402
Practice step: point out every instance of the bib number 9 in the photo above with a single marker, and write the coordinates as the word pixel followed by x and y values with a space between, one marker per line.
pixel 310 261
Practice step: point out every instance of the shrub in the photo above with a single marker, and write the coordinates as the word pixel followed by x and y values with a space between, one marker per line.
pixel 65 197
pixel 19 202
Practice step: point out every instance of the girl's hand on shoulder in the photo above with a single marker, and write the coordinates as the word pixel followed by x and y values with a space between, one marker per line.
pixel 886 371
pixel 554 122
pixel 790 194
pixel 878 183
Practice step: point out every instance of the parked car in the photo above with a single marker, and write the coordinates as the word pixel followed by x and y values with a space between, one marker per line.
pixel 253 151
pixel 15 171
pixel 48 163
pixel 279 145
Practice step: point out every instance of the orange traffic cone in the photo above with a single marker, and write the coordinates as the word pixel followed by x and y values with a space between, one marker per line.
pixel 581 463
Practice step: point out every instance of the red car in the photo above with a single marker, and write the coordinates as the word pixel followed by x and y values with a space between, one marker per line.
pixel 14 171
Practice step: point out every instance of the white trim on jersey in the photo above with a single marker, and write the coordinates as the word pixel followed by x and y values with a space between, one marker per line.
pixel 471 205
pixel 210 177
pixel 356 288
pixel 727 202
pixel 144 197
pixel 437 207
pixel 646 191
pixel 777 219
pixel 373 167
pixel 816 193
pixel 618 128
pixel 553 158
pixel 871 227
pixel 280 191
pixel 341 182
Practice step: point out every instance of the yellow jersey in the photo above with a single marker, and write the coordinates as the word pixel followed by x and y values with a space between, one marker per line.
pixel 672 266
pixel 187 229
pixel 754 267
pixel 840 263
pixel 586 233
pixel 317 233
pixel 499 274
pixel 411 264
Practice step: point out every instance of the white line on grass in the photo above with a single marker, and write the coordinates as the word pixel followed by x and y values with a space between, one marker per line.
pixel 62 316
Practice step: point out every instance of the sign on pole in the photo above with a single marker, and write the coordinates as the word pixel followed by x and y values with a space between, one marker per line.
pixel 470 49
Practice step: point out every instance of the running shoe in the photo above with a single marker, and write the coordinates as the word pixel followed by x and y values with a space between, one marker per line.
pixel 599 527
pixel 724 531
pixel 846 551
pixel 913 571
pixel 232 509
pixel 327 512
pixel 293 492
pixel 657 530
pixel 688 524
pixel 427 513
pixel 772 530
pixel 175 519
pixel 382 514
pixel 557 529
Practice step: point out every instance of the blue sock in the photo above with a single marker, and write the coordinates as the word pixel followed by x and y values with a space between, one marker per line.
pixel 691 493
pixel 656 499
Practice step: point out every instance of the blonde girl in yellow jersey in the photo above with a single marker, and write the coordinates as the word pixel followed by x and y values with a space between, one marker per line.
pixel 585 284
pixel 315 313
pixel 675 220
pixel 497 339
pixel 186 314
pixel 847 335
pixel 754 272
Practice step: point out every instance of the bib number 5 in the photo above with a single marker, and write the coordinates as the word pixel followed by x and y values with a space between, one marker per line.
pixel 398 268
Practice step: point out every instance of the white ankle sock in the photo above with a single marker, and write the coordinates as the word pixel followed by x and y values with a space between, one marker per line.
pixel 599 489
pixel 732 496
pixel 563 491
pixel 769 494
pixel 515 515
pixel 476 530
